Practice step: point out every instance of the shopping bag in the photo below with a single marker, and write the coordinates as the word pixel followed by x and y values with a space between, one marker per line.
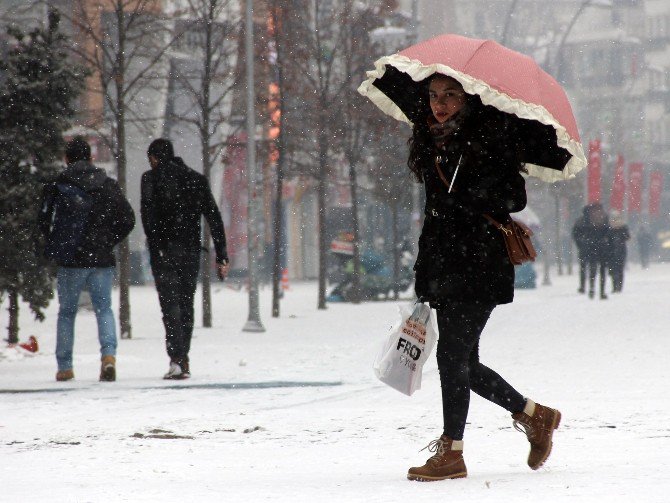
pixel 400 361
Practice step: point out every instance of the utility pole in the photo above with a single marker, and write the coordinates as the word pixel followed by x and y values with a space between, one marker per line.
pixel 253 323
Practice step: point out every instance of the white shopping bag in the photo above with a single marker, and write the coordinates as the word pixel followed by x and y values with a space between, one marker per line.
pixel 401 359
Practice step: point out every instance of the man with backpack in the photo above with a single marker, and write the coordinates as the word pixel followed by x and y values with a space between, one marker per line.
pixel 83 216
pixel 174 198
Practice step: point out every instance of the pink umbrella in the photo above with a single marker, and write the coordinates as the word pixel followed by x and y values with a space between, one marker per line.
pixel 502 78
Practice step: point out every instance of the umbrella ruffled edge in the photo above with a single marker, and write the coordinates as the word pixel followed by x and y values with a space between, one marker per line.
pixel 489 96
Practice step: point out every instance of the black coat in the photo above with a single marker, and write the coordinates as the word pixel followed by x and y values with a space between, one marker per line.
pixel 174 197
pixel 617 245
pixel 110 221
pixel 579 233
pixel 592 240
pixel 461 255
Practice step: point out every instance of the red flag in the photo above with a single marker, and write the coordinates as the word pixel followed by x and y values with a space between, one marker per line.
pixel 655 189
pixel 593 184
pixel 618 186
pixel 635 173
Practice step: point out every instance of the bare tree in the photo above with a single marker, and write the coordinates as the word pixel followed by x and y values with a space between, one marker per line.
pixel 203 64
pixel 390 181
pixel 319 84
pixel 123 42
pixel 357 124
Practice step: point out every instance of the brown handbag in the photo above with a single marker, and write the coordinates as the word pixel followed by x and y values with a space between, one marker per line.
pixel 517 235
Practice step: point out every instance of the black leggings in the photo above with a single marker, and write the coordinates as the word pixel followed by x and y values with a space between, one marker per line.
pixel 460 325
pixel 176 277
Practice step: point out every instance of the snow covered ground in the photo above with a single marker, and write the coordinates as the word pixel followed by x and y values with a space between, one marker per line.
pixel 296 414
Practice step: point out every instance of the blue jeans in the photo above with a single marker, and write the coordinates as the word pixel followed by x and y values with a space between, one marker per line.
pixel 71 281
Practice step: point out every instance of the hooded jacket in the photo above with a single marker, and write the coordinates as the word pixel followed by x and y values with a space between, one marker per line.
pixel 174 197
pixel 111 218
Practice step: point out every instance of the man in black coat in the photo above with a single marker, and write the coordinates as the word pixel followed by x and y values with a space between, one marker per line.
pixel 591 234
pixel 174 197
pixel 83 216
pixel 579 235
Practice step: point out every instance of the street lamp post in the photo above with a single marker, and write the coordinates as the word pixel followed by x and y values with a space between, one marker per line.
pixel 253 323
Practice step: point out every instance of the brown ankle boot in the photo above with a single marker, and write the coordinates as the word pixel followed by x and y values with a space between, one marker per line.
pixel 446 463
pixel 538 423
pixel 108 368
pixel 65 375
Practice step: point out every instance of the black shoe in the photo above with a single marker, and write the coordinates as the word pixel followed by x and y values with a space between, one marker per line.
pixel 592 294
pixel 603 296
pixel 581 290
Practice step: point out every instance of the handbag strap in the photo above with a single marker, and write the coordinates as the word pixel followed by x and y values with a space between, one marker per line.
pixel 497 224
pixel 444 178
pixel 440 173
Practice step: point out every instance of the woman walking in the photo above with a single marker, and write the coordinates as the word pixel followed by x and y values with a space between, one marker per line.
pixel 481 115
pixel 465 155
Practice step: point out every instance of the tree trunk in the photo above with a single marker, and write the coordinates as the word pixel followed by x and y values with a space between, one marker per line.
pixel 124 247
pixel 279 221
pixel 206 280
pixel 321 201
pixel 207 169
pixel 121 161
pixel 277 239
pixel 13 309
pixel 321 204
pixel 356 278
pixel 125 329
pixel 277 234
pixel 207 238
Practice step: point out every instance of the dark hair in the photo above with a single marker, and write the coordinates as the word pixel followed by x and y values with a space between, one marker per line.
pixel 161 149
pixel 482 121
pixel 421 149
pixel 77 149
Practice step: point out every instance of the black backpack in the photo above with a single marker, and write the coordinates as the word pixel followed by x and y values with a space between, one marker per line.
pixel 71 213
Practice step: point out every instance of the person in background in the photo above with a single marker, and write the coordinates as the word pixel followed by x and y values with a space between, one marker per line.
pixel 579 232
pixel 597 248
pixel 645 241
pixel 462 269
pixel 591 234
pixel 83 216
pixel 618 236
pixel 173 199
